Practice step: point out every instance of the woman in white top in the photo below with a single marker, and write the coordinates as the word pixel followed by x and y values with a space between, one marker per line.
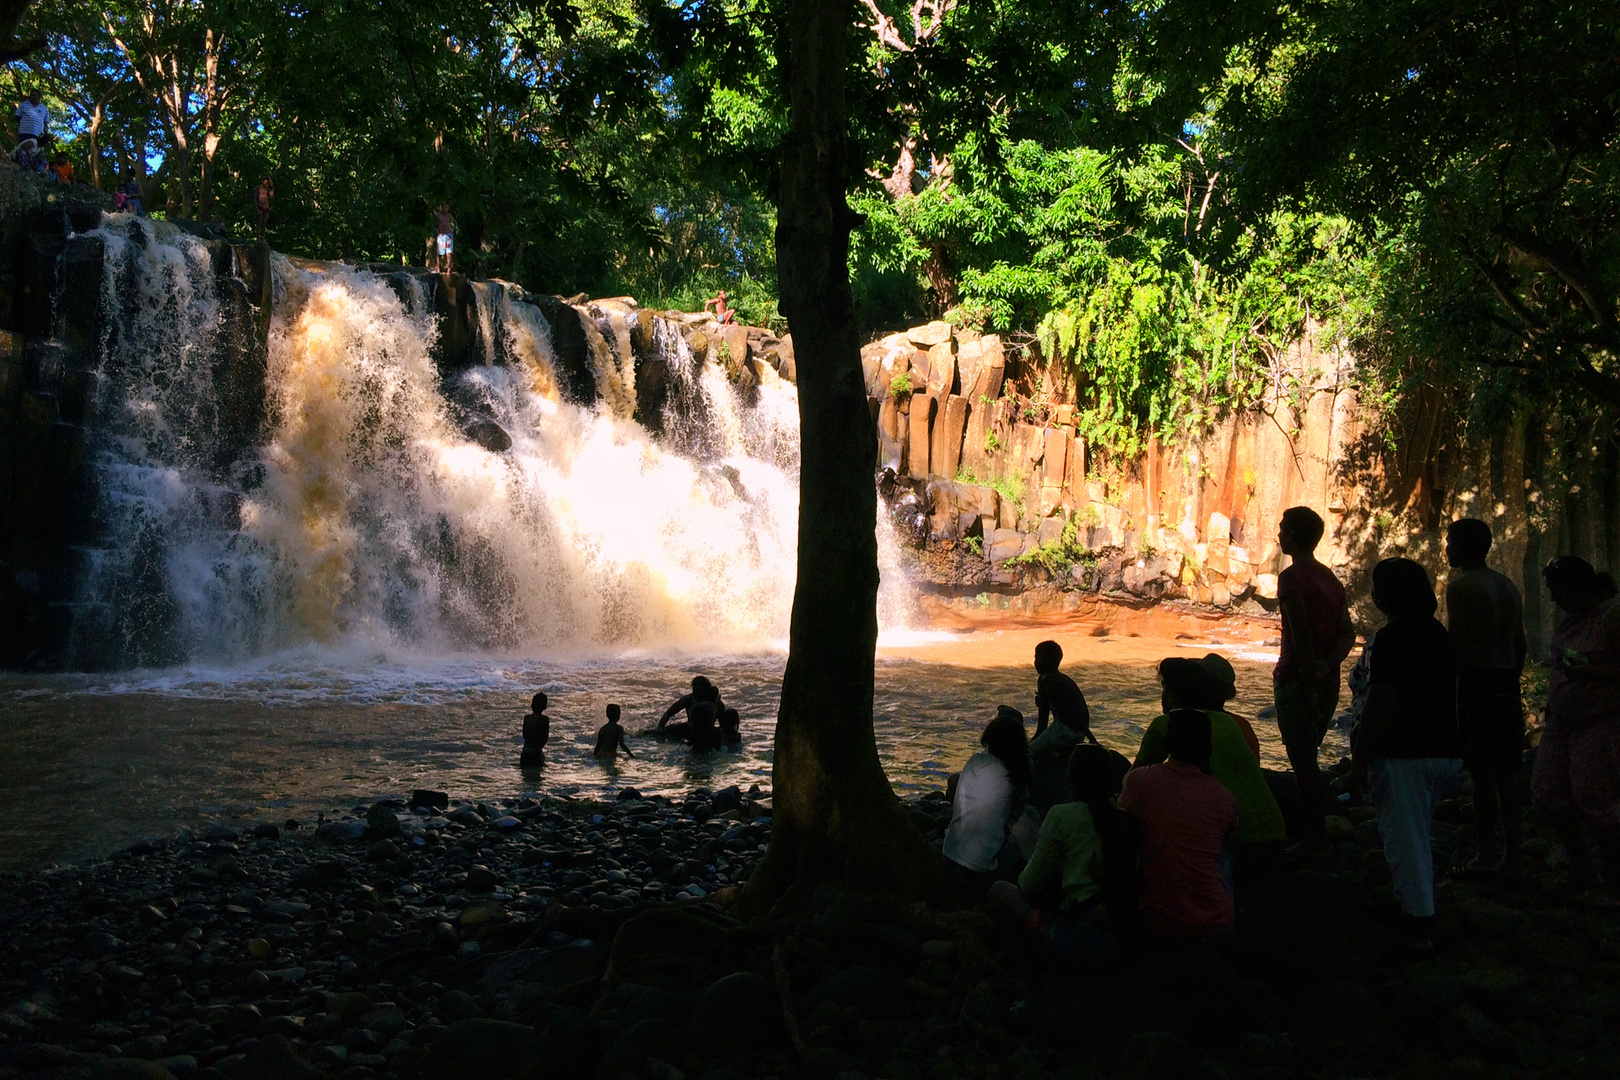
pixel 989 795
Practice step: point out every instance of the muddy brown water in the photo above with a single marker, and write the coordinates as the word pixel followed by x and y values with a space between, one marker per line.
pixel 94 763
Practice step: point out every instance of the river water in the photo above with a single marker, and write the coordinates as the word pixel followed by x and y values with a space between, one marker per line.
pixel 94 763
pixel 360 598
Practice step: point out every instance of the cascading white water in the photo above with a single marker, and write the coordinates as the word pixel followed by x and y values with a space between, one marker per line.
pixel 369 515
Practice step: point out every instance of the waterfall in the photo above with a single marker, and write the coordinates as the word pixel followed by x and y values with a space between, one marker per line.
pixel 373 504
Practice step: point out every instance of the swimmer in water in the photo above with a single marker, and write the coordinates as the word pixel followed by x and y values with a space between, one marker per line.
pixel 730 728
pixel 705 732
pixel 610 737
pixel 702 690
pixel 536 732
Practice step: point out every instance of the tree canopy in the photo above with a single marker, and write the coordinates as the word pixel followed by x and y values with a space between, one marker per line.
pixel 1155 197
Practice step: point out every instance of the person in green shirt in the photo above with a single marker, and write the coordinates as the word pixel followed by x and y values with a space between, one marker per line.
pixel 1234 762
pixel 1083 865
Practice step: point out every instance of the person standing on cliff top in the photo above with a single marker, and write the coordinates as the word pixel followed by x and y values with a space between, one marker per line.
pixel 1485 617
pixel 444 230
pixel 261 203
pixel 32 118
pixel 1317 635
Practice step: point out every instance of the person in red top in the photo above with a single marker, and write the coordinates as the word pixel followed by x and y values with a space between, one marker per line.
pixel 1316 637
pixel 1184 817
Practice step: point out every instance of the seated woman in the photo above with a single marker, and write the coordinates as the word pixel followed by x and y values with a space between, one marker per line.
pixel 1184 819
pixel 1407 750
pixel 1234 759
pixel 988 797
pixel 1084 865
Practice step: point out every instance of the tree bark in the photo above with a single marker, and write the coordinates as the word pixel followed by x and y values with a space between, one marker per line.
pixel 836 819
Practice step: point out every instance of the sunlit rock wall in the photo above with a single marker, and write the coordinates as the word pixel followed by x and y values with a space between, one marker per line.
pixel 1198 520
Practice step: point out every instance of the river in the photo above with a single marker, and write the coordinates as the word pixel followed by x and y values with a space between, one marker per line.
pixel 95 762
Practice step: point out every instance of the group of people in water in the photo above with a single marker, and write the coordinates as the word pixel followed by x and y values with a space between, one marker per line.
pixel 708 725
pixel 1089 848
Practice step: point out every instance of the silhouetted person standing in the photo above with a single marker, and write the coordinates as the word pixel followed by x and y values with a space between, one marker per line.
pixel 610 737
pixel 1316 637
pixel 1406 751
pixel 1576 778
pixel 444 245
pixel 1485 617
pixel 536 732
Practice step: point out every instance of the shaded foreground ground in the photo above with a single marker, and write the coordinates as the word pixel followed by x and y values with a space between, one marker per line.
pixel 593 939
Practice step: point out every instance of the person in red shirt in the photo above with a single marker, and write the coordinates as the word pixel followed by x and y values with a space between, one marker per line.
pixel 1316 637
pixel 1183 817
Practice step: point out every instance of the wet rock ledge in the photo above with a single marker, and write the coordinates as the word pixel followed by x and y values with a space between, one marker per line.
pixel 559 938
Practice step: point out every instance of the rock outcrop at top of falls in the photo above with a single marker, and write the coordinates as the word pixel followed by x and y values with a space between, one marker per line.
pixel 157 505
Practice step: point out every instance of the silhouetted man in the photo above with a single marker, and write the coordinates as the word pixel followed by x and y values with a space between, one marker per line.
pixel 1485 618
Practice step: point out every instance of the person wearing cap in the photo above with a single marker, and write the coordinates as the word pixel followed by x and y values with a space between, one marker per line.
pixel 1234 754
pixel 1576 778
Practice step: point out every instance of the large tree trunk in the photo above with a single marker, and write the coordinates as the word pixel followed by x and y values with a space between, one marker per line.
pixel 836 819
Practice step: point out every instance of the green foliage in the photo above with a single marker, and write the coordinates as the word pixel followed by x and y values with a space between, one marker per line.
pixel 1010 488
pixel 974 544
pixel 1058 556
pixel 900 385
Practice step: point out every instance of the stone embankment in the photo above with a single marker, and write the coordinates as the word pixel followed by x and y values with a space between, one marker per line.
pixel 984 436
pixel 565 939
pixel 1007 480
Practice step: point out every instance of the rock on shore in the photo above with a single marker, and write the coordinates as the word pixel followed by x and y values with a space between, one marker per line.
pixel 561 938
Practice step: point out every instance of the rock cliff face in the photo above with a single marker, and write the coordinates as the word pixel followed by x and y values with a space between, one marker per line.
pixel 153 338
pixel 996 499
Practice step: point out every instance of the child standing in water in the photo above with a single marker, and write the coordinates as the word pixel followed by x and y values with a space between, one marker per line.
pixel 536 732
pixel 610 738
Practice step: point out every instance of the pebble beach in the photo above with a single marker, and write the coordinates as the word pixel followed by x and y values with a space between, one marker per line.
pixel 566 937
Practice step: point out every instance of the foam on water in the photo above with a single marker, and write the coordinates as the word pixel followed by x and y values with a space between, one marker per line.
pixel 367 522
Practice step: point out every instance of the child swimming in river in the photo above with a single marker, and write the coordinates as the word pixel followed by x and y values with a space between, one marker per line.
pixel 610 737
pixel 536 732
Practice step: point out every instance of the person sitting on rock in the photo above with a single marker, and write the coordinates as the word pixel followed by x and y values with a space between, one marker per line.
pixel 722 313
pixel 988 797
pixel 1084 864
pixel 1184 817
pixel 730 728
pixel 536 732
pixel 610 737
pixel 1056 696
pixel 702 690
pixel 1235 754
pixel 1406 753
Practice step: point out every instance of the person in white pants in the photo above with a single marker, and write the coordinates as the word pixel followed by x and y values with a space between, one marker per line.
pixel 1406 751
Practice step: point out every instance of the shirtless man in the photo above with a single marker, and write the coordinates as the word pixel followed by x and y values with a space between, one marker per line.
pixel 536 732
pixel 722 313
pixel 610 737
pixel 1485 616
pixel 702 690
